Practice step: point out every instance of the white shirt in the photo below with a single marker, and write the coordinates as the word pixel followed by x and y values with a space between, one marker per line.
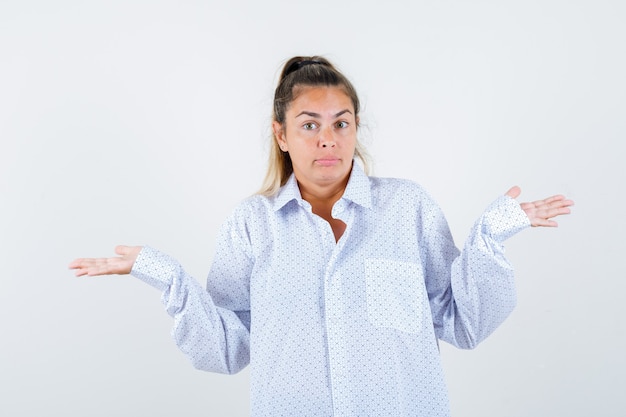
pixel 345 328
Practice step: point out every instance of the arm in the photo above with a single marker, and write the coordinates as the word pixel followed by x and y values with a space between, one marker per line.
pixel 472 292
pixel 214 337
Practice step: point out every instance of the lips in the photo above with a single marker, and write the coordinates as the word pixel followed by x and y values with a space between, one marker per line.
pixel 327 162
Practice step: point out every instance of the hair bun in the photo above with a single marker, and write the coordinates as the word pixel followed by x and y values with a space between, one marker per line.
pixel 296 65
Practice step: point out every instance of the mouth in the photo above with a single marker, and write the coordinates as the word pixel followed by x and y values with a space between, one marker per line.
pixel 327 162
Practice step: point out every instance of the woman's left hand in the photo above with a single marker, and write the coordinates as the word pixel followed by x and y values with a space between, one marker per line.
pixel 541 211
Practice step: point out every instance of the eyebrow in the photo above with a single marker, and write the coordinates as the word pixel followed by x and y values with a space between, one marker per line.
pixel 317 115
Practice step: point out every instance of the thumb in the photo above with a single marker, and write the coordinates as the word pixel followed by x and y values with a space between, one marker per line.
pixel 514 192
pixel 122 250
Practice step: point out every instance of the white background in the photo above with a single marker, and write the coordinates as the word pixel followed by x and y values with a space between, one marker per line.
pixel 145 122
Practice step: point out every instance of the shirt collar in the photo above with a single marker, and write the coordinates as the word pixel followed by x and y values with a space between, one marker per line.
pixel 288 192
pixel 357 190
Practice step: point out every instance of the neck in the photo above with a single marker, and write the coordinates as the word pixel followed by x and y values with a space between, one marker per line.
pixel 323 195
pixel 322 199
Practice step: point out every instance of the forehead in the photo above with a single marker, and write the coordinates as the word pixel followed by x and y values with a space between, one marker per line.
pixel 320 100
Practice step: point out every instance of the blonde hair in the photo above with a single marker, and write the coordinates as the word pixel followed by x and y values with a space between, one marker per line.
pixel 303 71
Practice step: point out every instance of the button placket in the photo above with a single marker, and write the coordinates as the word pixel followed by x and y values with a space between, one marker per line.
pixel 334 317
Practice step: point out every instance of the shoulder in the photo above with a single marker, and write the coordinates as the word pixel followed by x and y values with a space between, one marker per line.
pixel 410 202
pixel 399 189
pixel 247 219
pixel 255 202
pixel 254 207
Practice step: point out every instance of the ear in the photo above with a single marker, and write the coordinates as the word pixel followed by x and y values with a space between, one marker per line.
pixel 279 136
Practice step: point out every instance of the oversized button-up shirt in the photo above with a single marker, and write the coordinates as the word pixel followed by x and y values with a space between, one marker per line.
pixel 346 328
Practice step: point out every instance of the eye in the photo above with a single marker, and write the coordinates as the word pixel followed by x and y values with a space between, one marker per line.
pixel 309 126
pixel 341 125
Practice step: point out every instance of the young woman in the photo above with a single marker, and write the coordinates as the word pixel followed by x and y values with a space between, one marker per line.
pixel 333 285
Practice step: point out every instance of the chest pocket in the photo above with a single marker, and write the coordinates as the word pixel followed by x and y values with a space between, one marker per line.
pixel 396 297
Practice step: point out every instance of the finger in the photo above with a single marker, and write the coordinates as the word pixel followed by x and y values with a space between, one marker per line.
pixel 75 264
pixel 544 223
pixel 563 203
pixel 86 263
pixel 547 201
pixel 514 192
pixel 553 212
pixel 96 266
pixel 554 201
pixel 90 266
pixel 122 250
pixel 80 272
pixel 81 266
pixel 557 197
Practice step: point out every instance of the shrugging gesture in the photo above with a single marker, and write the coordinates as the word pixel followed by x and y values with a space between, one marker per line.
pixel 539 213
pixel 370 283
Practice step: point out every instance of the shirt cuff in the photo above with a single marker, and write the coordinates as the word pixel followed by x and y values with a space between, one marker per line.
pixel 154 268
pixel 504 218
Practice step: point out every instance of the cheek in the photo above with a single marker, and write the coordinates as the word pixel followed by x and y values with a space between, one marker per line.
pixel 299 140
pixel 349 138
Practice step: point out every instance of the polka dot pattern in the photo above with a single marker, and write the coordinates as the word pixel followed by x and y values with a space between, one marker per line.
pixel 347 328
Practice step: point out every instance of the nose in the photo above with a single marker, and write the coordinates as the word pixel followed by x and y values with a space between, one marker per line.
pixel 326 138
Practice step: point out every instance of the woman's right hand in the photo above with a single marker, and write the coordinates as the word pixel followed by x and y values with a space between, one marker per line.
pixel 119 265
